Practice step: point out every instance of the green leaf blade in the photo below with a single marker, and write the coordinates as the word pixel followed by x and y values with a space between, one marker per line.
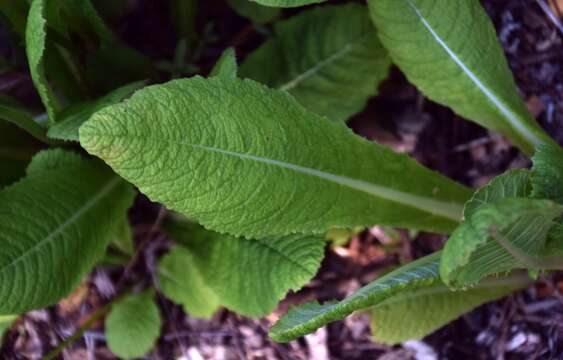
pixel 419 313
pixel 547 173
pixel 36 39
pixel 247 276
pixel 49 240
pixel 472 252
pixel 267 159
pixel 307 318
pixel 450 51
pixel 329 58
pixel 226 66
pixel 133 325
pixel 181 281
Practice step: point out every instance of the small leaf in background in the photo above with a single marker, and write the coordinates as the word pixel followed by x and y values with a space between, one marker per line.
pixel 329 58
pixel 74 116
pixel 36 39
pixel 415 314
pixel 306 318
pixel 133 325
pixel 226 66
pixel 261 165
pixel 287 3
pixel 547 173
pixel 255 12
pixel 181 281
pixel 450 51
pixel 512 184
pixel 474 252
pixel 54 226
pixel 247 276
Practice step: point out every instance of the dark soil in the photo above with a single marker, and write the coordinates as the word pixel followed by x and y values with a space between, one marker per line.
pixel 526 325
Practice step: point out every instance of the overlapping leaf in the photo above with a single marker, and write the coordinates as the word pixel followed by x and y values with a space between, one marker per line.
pixel 306 318
pixel 133 325
pixel 329 58
pixel 73 117
pixel 476 249
pixel 450 51
pixel 181 280
pixel 245 275
pixel 547 173
pixel 54 226
pixel 36 38
pixel 415 314
pixel 247 160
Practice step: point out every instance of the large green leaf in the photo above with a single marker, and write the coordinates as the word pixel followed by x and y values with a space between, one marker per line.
pixel 306 318
pixel 181 281
pixel 247 160
pixel 245 275
pixel 133 325
pixel 74 116
pixel 54 226
pixel 449 50
pixel 287 3
pixel 547 173
pixel 476 250
pixel 36 39
pixel 328 58
pixel 415 314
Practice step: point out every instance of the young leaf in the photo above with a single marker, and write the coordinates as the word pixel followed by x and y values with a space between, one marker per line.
pixel 36 38
pixel 306 318
pixel 328 58
pixel 415 314
pixel 133 325
pixel 475 251
pixel 226 66
pixel 512 184
pixel 450 51
pixel 287 3
pixel 247 276
pixel 54 226
pixel 255 12
pixel 181 281
pixel 247 160
pixel 73 117
pixel 547 173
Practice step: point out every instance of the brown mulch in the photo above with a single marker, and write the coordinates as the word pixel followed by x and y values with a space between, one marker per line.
pixel 526 325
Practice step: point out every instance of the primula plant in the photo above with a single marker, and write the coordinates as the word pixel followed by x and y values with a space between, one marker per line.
pixel 254 165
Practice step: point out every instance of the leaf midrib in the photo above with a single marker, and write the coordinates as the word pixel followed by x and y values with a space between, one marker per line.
pixel 315 69
pixel 513 118
pixel 449 210
pixel 110 185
